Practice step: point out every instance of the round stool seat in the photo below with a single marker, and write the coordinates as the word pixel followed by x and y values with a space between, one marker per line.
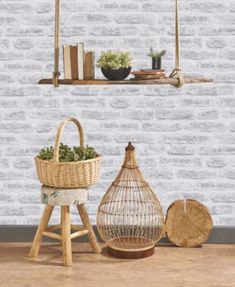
pixel 61 197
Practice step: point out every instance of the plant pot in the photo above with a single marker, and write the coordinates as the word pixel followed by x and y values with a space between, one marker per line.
pixel 116 74
pixel 156 63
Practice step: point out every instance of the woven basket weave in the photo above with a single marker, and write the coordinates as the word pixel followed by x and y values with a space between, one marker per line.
pixel 68 174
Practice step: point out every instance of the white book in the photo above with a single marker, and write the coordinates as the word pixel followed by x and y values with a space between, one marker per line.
pixel 67 63
pixel 81 61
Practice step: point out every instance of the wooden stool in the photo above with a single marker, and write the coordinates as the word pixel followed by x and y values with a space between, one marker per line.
pixel 64 198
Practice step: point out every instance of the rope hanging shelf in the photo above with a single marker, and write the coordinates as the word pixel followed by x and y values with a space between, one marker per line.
pixel 176 77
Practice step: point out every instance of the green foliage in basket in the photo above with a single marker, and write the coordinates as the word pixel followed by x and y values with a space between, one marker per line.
pixel 155 54
pixel 68 154
pixel 114 60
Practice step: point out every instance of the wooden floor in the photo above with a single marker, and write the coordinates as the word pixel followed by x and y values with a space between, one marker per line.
pixel 211 265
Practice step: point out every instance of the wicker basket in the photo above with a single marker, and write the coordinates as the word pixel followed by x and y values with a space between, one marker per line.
pixel 68 174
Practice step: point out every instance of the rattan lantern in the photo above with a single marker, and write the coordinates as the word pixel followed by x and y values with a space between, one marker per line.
pixel 130 217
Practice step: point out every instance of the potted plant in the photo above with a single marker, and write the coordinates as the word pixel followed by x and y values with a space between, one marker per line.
pixel 115 65
pixel 75 167
pixel 156 58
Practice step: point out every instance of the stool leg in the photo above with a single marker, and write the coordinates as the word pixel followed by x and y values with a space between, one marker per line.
pixel 42 226
pixel 86 222
pixel 66 241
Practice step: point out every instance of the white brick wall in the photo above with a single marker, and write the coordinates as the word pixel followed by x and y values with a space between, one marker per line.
pixel 185 139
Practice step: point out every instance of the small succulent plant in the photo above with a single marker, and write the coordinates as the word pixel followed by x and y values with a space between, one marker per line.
pixel 114 60
pixel 155 54
pixel 68 154
pixel 46 153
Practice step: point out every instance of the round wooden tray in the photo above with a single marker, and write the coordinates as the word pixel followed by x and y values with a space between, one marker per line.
pixel 130 247
pixel 188 223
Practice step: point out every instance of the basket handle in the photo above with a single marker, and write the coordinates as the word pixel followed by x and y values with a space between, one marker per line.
pixel 59 134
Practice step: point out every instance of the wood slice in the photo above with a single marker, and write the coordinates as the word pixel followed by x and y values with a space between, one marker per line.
pixel 188 223
pixel 148 77
pixel 148 72
pixel 152 72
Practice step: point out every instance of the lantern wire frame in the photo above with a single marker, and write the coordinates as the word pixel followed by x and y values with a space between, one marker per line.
pixel 130 217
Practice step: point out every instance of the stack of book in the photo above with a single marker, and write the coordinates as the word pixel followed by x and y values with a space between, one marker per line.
pixel 148 74
pixel 78 64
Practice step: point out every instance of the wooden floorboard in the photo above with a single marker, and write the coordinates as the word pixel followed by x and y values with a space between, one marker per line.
pixel 208 266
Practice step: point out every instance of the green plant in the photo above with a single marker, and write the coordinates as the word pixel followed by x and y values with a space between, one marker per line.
pixel 114 60
pixel 67 154
pixel 46 153
pixel 155 54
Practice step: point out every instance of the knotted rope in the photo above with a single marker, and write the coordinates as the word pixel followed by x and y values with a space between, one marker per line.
pixel 56 73
pixel 177 73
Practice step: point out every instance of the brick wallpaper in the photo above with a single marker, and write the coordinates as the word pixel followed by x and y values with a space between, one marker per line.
pixel 184 138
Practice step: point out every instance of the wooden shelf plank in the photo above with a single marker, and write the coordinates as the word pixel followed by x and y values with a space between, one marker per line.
pixel 165 81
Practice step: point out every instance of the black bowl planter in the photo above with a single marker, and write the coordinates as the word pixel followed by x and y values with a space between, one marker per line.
pixel 116 74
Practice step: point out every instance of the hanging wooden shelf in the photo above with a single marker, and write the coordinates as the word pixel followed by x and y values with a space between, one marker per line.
pixel 165 81
pixel 176 78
